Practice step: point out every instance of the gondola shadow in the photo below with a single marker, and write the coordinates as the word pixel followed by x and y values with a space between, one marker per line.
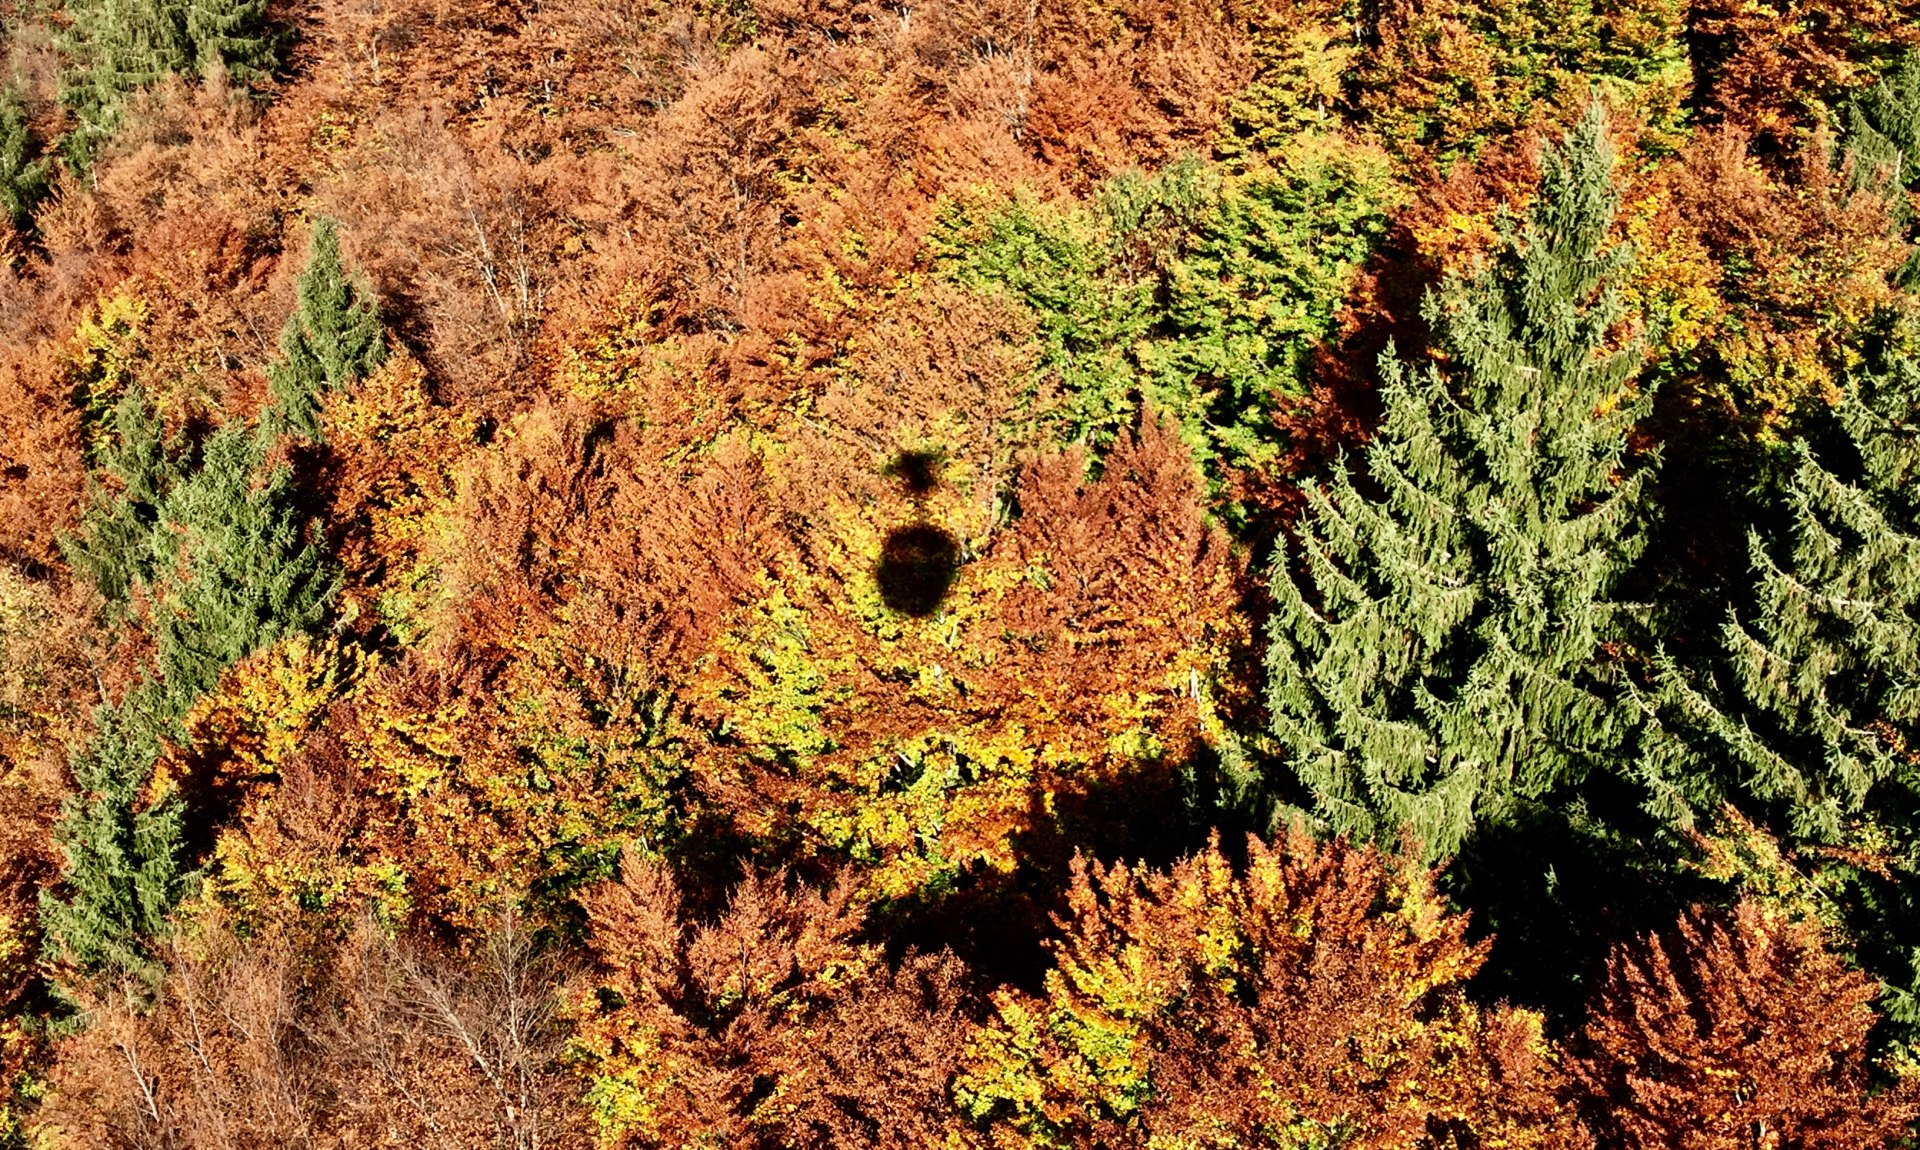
pixel 920 560
pixel 918 564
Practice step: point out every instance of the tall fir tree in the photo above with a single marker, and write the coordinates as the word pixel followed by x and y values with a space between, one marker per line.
pixel 23 176
pixel 222 555
pixel 1811 712
pixel 1438 651
pixel 124 867
pixel 1883 128
pixel 232 35
pixel 332 338
pixel 112 548
pixel 241 572
pixel 114 48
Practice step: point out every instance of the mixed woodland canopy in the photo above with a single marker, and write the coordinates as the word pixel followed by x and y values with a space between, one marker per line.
pixel 1180 574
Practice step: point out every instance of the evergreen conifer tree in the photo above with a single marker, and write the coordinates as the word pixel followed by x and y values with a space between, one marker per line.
pixel 1811 713
pixel 240 573
pixel 113 547
pixel 222 556
pixel 124 868
pixel 1825 661
pixel 23 178
pixel 233 35
pixel 1883 128
pixel 117 47
pixel 1882 143
pixel 332 338
pixel 1438 643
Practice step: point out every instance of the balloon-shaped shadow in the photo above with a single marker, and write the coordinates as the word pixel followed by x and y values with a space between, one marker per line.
pixel 917 471
pixel 918 564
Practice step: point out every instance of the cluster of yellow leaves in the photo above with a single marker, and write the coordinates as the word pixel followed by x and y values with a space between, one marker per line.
pixel 393 453
pixel 1670 282
pixel 105 355
pixel 239 742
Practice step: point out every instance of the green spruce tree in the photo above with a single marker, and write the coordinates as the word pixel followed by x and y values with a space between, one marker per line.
pixel 1881 143
pixel 113 548
pixel 332 338
pixel 221 553
pixel 240 570
pixel 1438 651
pixel 115 48
pixel 1810 715
pixel 1883 128
pixel 231 35
pixel 124 867
pixel 23 177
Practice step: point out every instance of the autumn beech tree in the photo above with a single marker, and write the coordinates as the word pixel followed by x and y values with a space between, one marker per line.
pixel 772 1025
pixel 1736 1030
pixel 346 1036
pixel 1779 61
pixel 1083 652
pixel 1305 989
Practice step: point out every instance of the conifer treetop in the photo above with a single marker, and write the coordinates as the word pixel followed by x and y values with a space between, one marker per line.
pixel 332 338
pixel 1438 647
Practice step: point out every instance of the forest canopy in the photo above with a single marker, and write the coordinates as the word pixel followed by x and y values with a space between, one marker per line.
pixel 1317 574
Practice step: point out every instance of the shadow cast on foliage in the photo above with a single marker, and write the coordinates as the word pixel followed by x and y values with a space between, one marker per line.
pixel 917 471
pixel 919 561
pixel 918 564
pixel 1556 891
pixel 998 922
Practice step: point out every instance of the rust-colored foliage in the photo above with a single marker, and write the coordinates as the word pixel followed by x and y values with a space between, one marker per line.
pixel 1305 989
pixel 556 596
pixel 1739 1030
pixel 1762 281
pixel 578 511
pixel 1120 576
pixel 772 1026
pixel 1121 84
pixel 1766 65
pixel 41 474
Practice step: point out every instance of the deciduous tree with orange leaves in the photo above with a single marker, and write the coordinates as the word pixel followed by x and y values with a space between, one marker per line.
pixel 1300 993
pixel 770 1025
pixel 1737 1031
